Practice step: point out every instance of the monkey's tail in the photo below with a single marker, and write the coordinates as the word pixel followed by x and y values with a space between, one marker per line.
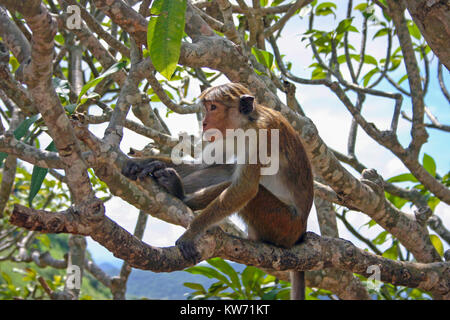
pixel 297 285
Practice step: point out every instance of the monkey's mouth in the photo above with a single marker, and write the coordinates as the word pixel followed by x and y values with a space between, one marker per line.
pixel 212 134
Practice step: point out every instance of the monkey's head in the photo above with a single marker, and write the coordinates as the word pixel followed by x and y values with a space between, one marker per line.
pixel 228 106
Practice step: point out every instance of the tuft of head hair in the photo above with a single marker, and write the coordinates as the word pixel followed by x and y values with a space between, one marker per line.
pixel 228 94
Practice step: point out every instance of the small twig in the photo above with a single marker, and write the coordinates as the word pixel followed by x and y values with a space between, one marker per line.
pixel 397 86
pixel 363 46
pixel 387 61
pixel 395 117
pixel 426 63
pixel 291 11
pixel 346 48
pixel 438 125
pixel 441 82
pixel 357 234
pixel 45 286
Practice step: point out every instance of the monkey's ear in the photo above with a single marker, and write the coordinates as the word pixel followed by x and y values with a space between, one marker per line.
pixel 246 104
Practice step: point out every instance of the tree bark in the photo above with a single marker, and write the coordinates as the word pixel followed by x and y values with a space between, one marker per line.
pixel 433 19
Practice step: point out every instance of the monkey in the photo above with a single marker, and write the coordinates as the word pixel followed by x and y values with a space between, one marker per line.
pixel 274 207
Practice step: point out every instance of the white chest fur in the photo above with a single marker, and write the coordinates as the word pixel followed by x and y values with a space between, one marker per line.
pixel 274 184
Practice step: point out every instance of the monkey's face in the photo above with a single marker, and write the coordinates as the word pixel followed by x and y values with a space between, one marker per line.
pixel 221 117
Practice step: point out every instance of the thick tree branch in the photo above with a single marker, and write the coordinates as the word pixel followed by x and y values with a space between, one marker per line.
pixel 313 254
pixel 433 20
pixel 41 158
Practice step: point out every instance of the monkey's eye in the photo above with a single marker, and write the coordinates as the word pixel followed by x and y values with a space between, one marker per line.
pixel 213 107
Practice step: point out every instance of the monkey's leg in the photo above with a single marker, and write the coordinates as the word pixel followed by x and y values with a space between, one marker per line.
pixel 243 188
pixel 270 220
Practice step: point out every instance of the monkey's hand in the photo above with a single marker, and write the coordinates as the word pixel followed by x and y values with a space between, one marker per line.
pixel 167 178
pixel 132 168
pixel 187 248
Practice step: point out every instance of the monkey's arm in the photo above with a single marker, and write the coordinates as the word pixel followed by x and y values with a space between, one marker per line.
pixel 196 184
pixel 200 199
pixel 157 168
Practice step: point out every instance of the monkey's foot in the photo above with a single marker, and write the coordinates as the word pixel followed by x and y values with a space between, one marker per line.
pixel 150 169
pixel 168 179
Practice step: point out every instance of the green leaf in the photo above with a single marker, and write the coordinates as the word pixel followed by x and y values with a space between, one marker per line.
pixel 433 202
pixel 391 253
pixel 341 59
pixel 6 277
pixel 208 272
pixel 437 243
pixel 45 240
pixel 263 57
pixel 271 295
pixel 164 35
pixel 344 25
pixel 369 75
pixel 396 201
pixel 381 32
pixel 70 108
pixel 429 164
pixel 276 2
pixel 381 238
pixel 195 286
pixel 325 12
pixel 326 8
pixel 402 79
pixel 395 63
pixel 371 222
pixel 224 267
pixel 14 63
pixel 403 177
pixel 250 277
pixel 318 73
pixel 113 69
pixel 284 294
pixel 217 287
pixel 23 127
pixel 20 131
pixel 361 7
pixel 326 5
pixel 414 30
pixel 60 38
pixel 370 59
pixel 38 176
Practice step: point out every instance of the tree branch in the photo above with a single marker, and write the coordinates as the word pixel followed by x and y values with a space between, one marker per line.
pixel 314 253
